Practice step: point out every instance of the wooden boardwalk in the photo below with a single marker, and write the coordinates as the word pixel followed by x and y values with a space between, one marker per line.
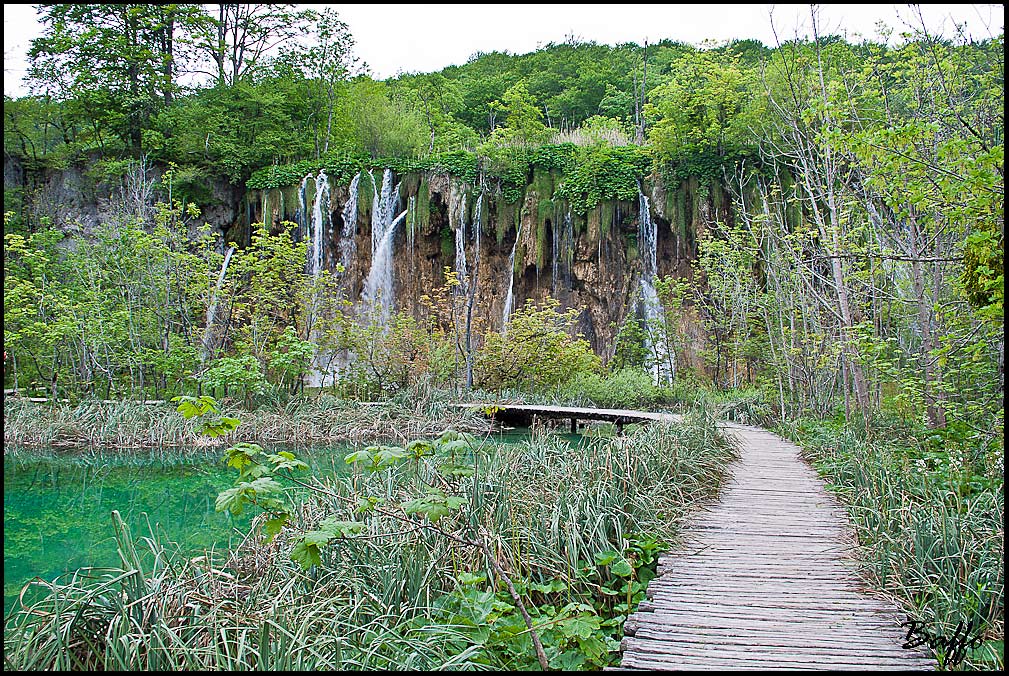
pixel 523 414
pixel 764 581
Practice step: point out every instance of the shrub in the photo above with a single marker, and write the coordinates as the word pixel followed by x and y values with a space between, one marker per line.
pixel 536 353
pixel 625 388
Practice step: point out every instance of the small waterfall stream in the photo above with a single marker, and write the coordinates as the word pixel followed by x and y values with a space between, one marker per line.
pixel 563 255
pixel 510 296
pixel 663 366
pixel 208 335
pixel 301 216
pixel 348 236
pixel 460 238
pixel 477 232
pixel 377 294
pixel 320 219
pixel 316 261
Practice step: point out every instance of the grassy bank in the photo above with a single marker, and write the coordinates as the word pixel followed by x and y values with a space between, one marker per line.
pixel 928 507
pixel 320 419
pixel 573 531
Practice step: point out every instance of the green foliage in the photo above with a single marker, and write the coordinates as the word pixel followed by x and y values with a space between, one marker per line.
pixel 198 407
pixel 630 388
pixel 340 170
pixel 537 351
pixel 291 357
pixel 523 121
pixel 434 504
pixel 630 350
pixel 117 294
pixel 243 373
pixel 702 115
pixel 602 172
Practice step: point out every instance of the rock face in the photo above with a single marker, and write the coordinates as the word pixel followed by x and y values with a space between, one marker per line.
pixel 76 201
pixel 590 262
pixel 587 261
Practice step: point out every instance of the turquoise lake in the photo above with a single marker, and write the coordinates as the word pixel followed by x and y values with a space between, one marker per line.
pixel 58 505
pixel 57 510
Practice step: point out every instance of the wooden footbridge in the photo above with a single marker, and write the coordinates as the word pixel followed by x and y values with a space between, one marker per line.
pixel 523 415
pixel 764 579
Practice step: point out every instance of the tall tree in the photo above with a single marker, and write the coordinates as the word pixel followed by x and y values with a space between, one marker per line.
pixel 119 57
pixel 327 64
pixel 239 36
pixel 808 117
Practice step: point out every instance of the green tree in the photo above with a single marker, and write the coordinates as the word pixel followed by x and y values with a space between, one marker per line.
pixel 537 352
pixel 328 64
pixel 237 37
pixel 523 121
pixel 699 109
pixel 118 58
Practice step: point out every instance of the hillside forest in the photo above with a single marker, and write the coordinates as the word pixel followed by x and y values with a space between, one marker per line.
pixel 809 236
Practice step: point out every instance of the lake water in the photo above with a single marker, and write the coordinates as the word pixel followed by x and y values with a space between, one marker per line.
pixel 57 510
pixel 57 505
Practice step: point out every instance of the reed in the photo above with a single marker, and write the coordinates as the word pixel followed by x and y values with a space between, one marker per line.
pixel 929 517
pixel 378 601
pixel 324 419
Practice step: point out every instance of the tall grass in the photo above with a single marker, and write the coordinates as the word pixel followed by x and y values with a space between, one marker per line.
pixel 324 419
pixel 545 507
pixel 929 514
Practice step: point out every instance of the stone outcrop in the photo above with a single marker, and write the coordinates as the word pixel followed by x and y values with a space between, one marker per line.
pixel 605 264
pixel 600 268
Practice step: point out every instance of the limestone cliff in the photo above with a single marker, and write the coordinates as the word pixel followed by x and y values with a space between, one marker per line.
pixel 588 261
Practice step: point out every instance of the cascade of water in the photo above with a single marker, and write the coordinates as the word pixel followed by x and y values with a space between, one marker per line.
pixel 460 241
pixel 555 258
pixel 510 296
pixel 663 361
pixel 302 215
pixel 568 248
pixel 563 254
pixel 477 226
pixel 348 236
pixel 377 295
pixel 320 218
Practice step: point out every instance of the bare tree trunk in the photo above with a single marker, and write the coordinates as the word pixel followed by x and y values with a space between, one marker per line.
pixel 208 334
pixel 935 414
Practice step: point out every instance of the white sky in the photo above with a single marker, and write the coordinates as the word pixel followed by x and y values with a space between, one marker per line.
pixel 424 38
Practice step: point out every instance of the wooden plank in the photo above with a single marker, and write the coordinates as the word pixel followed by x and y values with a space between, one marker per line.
pixel 764 580
pixel 843 653
pixel 769 653
pixel 662 655
pixel 756 636
pixel 653 662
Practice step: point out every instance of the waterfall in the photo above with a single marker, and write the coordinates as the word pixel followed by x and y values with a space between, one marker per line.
pixel 377 295
pixel 663 366
pixel 510 296
pixel 302 215
pixel 460 241
pixel 348 236
pixel 316 261
pixel 320 217
pixel 477 226
pixel 563 254
pixel 568 248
